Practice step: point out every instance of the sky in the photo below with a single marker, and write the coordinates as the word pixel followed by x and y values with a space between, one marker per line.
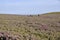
pixel 27 7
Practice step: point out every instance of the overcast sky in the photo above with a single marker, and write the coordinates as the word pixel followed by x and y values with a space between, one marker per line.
pixel 29 6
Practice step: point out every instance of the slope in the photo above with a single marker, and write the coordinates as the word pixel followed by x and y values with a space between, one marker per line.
pixel 32 27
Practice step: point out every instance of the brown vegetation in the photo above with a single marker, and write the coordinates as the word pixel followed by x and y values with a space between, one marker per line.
pixel 33 27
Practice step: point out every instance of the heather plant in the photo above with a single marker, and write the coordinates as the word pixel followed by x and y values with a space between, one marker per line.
pixel 34 27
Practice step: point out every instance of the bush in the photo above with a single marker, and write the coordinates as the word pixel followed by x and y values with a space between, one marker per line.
pixel 58 38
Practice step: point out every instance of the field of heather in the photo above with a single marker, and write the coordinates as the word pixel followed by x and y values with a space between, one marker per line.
pixel 30 27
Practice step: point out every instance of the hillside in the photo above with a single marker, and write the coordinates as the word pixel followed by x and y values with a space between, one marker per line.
pixel 31 27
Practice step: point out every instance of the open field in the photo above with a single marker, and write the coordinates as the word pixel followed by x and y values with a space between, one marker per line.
pixel 32 27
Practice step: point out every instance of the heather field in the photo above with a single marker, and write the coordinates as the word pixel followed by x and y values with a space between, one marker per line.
pixel 30 27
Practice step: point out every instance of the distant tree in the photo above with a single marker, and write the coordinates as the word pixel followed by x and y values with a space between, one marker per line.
pixel 38 15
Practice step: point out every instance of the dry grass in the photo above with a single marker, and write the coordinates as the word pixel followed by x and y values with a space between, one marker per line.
pixel 37 27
